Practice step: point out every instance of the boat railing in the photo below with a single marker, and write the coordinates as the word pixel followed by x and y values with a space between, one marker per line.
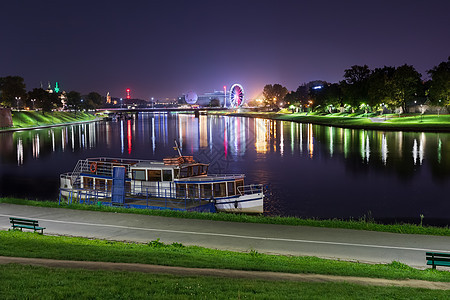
pixel 77 171
pixel 250 189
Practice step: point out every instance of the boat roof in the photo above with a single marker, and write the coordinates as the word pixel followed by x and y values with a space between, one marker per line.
pixel 210 178
pixel 141 163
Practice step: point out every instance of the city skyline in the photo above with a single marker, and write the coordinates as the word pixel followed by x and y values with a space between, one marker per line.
pixel 165 49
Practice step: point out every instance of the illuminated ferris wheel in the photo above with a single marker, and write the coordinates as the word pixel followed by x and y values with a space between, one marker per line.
pixel 236 95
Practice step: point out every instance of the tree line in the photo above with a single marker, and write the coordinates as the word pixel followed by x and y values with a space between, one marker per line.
pixel 13 94
pixel 369 90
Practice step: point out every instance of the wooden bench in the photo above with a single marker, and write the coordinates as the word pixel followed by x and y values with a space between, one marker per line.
pixel 25 223
pixel 438 259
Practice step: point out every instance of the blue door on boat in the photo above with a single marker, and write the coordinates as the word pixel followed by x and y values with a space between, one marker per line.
pixel 118 185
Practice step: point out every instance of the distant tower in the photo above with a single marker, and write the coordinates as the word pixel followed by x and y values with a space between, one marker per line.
pixel 108 98
pixel 56 87
pixel 42 87
pixel 128 94
pixel 49 86
pixel 225 96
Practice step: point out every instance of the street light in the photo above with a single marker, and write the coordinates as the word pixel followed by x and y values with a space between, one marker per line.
pixel 17 103
pixel 421 113
pixel 32 103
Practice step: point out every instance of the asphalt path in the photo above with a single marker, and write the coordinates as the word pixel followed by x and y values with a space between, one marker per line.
pixel 345 244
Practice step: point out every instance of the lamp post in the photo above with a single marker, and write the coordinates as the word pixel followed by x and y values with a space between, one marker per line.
pixel 32 103
pixel 17 102
pixel 421 113
pixel 439 107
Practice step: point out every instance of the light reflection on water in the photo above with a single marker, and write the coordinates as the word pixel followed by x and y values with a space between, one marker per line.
pixel 312 171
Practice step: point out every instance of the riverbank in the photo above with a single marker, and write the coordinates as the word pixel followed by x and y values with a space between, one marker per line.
pixel 28 120
pixel 364 223
pixel 389 122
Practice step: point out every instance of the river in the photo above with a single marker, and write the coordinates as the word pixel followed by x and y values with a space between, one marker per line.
pixel 309 170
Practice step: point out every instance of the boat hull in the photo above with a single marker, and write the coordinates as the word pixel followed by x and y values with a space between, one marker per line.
pixel 253 204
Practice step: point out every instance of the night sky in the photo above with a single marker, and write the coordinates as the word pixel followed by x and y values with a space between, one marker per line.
pixel 165 48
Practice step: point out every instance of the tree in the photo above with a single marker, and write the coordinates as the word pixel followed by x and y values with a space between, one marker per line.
pixel 12 87
pixel 43 99
pixel 274 93
pixel 406 85
pixel 93 100
pixel 380 86
pixel 355 85
pixel 439 91
pixel 74 100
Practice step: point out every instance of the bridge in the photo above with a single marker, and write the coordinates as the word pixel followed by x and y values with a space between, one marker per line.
pixel 159 109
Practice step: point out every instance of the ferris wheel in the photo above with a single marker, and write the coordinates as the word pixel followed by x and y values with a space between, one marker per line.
pixel 236 95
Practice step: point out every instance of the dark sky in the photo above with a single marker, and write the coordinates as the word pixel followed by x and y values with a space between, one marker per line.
pixel 165 48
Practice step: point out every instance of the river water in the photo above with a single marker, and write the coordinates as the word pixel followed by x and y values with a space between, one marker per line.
pixel 309 170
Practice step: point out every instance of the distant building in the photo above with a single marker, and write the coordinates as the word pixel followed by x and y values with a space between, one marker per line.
pixel 206 98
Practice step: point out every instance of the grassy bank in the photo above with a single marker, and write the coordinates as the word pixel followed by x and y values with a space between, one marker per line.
pixel 28 244
pixel 432 123
pixel 83 284
pixel 25 119
pixel 364 223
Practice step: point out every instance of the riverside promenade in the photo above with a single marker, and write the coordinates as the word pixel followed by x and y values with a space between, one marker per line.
pixel 345 244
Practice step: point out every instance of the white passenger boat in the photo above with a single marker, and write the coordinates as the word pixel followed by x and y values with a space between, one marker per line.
pixel 177 183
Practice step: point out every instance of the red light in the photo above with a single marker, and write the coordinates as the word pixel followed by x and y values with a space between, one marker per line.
pixel 128 90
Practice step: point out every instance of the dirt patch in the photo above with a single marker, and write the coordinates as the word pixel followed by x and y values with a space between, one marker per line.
pixel 155 269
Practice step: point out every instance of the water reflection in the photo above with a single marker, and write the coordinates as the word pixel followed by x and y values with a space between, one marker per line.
pixel 298 160
pixel 238 136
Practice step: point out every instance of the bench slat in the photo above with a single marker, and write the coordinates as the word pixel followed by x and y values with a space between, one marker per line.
pixel 437 254
pixel 438 258
pixel 438 263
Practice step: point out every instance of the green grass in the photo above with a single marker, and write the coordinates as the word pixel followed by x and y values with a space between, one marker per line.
pixel 364 223
pixel 408 122
pixel 28 244
pixel 29 282
pixel 25 119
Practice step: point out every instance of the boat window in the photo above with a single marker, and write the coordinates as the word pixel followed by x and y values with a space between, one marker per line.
pixel 195 170
pixel 231 188
pixel 100 184
pixel 206 191
pixel 192 190
pixel 176 172
pixel 139 174
pixel 167 175
pixel 183 172
pixel 109 184
pixel 238 184
pixel 154 175
pixel 186 172
pixel 181 190
pixel 204 170
pixel 88 183
pixel 219 189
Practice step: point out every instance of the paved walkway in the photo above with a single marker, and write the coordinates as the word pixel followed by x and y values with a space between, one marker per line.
pixel 345 244
pixel 155 269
